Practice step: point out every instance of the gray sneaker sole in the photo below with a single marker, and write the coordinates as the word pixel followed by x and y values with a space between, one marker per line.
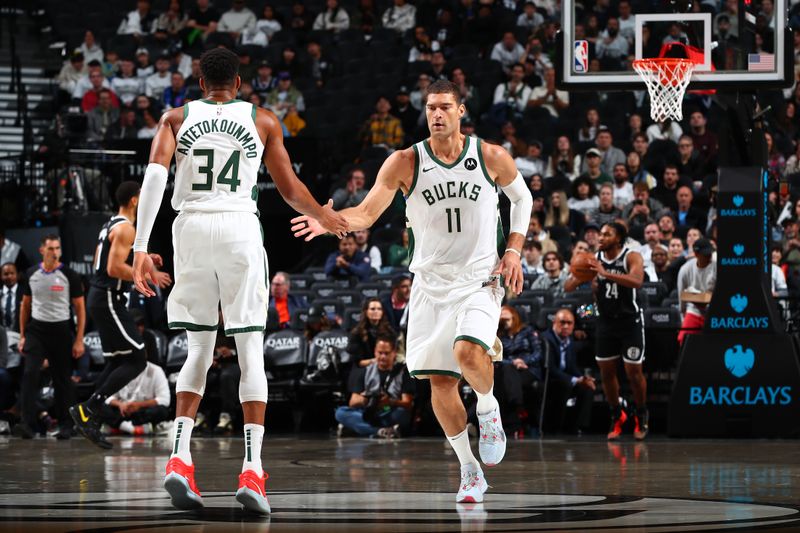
pixel 252 501
pixel 182 496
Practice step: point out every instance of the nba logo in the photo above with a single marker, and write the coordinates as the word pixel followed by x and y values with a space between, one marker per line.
pixel 581 61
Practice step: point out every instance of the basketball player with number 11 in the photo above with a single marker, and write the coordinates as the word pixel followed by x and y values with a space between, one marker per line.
pixel 450 183
pixel 218 144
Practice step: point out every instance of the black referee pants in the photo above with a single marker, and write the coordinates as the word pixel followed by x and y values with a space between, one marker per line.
pixel 51 341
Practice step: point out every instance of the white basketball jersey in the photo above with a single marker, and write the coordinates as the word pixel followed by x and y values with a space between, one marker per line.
pixel 453 221
pixel 218 155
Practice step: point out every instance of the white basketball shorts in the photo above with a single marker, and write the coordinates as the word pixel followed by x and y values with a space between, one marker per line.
pixel 435 326
pixel 219 258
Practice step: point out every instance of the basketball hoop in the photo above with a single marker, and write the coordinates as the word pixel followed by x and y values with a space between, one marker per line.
pixel 666 79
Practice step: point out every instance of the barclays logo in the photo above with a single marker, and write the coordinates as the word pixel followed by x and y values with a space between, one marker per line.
pixel 738 250
pixel 739 302
pixel 739 361
pixel 737 211
pixel 738 200
pixel 739 322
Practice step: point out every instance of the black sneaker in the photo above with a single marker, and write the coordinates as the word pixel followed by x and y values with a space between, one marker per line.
pixel 642 419
pixel 88 425
pixel 64 433
pixel 23 431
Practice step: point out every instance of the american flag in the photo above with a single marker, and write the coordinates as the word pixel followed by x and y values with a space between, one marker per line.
pixel 760 62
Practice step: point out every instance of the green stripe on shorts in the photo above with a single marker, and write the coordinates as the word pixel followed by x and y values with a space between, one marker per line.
pixel 424 373
pixel 473 340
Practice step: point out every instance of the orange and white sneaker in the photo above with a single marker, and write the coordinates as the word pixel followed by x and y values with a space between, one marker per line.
pixel 617 421
pixel 251 493
pixel 179 483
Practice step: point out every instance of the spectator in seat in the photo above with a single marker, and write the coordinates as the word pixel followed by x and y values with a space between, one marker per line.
pixel 181 61
pixel 422 46
pixel 300 20
pixel 319 67
pixel 334 18
pixel 438 66
pixel 292 120
pixel 661 131
pixel 623 189
pixel 400 17
pixel 637 173
pixel 419 93
pixel 382 396
pixel 519 370
pixel 10 297
pixel 532 257
pixel 563 160
pixel 103 116
pixel 94 79
pixel 405 112
pixel 382 129
pixel 584 195
pixel 141 404
pixel 203 21
pixel 93 96
pixel 395 304
pixel 374 253
pixel 353 193
pixel 606 211
pixel 588 132
pixel 689 164
pixel 559 214
pixel 659 267
pixel 510 98
pixel 72 71
pixel 155 83
pixel 270 23
pixel 688 216
pixel 705 141
pixel 532 163
pixel 398 253
pixel 348 262
pixel 89 48
pixel 554 276
pixel 510 141
pixel 363 337
pixel 508 52
pixel 281 299
pixel 565 379
pixel 284 96
pixel 127 86
pixel 237 20
pixel 110 65
pixel 138 22
pixel 148 129
pixel 592 161
pixel 124 128
pixel 652 240
pixel 529 19
pixel 264 82
pixel 548 98
pixel 611 154
pixel 696 281
pixel 643 209
pixel 611 47
pixel 171 23
pixel 144 68
pixel 591 236
pixel 778 276
pixel 175 94
pixel 470 96
pixel 666 225
pixel 666 191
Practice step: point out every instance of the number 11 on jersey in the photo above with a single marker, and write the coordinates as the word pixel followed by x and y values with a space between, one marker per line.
pixel 450 215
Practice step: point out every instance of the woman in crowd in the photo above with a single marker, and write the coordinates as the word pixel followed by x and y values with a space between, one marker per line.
pixel 560 215
pixel 563 160
pixel 361 345
pixel 584 195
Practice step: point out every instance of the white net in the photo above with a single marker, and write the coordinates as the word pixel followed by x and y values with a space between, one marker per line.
pixel 666 79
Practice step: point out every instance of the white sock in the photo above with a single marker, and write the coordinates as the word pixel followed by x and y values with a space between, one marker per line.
pixel 182 434
pixel 486 402
pixel 253 436
pixel 460 444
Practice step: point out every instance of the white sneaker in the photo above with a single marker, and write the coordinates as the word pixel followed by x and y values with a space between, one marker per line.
pixel 492 440
pixel 163 428
pixel 472 486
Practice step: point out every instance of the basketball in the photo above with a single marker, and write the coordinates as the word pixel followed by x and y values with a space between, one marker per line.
pixel 579 266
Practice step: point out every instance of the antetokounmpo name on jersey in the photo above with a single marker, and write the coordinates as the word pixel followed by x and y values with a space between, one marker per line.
pixel 451 189
pixel 228 127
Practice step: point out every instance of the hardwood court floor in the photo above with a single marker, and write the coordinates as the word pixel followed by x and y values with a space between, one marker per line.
pixel 361 485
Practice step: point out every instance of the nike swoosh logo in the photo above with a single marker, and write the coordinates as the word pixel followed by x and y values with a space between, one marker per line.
pixel 427 169
pixel 84 418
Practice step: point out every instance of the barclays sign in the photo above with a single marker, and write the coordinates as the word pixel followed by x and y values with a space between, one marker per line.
pixel 739 361
pixel 738 258
pixel 739 303
pixel 738 210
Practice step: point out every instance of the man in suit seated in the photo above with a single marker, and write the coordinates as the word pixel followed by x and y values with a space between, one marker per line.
pixel 565 379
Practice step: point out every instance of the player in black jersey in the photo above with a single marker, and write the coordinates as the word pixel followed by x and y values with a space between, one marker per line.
pixel 107 304
pixel 620 324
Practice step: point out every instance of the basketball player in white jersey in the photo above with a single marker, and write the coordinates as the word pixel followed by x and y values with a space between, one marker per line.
pixel 218 144
pixel 450 182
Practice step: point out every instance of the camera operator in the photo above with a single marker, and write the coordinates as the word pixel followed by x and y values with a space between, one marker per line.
pixel 382 395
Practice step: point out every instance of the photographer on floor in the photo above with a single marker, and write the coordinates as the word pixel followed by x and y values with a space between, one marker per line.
pixel 382 395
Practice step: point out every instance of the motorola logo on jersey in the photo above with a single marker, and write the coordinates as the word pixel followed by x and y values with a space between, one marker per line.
pixel 737 259
pixel 739 360
pixel 470 164
pixel 738 210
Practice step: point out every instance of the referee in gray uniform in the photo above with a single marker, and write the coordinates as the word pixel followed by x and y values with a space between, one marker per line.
pixel 46 333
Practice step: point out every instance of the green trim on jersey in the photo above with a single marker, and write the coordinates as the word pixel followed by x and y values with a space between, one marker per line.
pixel 212 102
pixel 254 113
pixel 501 238
pixel 410 244
pixel 185 110
pixel 473 340
pixel 190 326
pixel 440 162
pixel 483 166
pixel 416 170
pixel 229 332
pixel 428 373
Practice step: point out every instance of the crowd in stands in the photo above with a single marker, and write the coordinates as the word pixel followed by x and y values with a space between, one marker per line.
pixel 362 69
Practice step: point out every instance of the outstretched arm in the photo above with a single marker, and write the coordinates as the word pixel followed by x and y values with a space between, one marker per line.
pixel 289 185
pixel 396 174
pixel 505 174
